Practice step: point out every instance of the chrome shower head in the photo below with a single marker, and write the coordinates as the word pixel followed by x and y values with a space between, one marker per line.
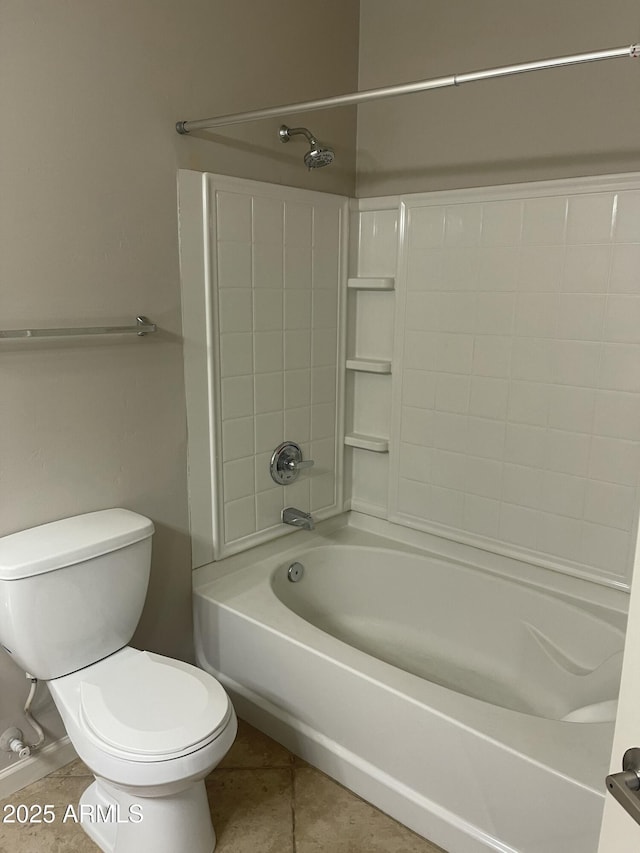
pixel 318 155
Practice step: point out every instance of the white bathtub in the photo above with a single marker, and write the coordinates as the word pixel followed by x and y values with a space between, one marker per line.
pixel 433 688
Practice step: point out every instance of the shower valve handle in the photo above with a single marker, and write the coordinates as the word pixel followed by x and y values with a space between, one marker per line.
pixel 287 462
pixel 295 465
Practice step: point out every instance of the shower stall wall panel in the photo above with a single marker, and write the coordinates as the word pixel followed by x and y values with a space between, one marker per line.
pixel 516 378
pixel 261 268
pixel 370 335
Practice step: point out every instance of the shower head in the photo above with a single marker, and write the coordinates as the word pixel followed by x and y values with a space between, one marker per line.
pixel 318 155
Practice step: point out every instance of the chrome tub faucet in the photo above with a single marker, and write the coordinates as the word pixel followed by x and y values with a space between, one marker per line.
pixel 297 518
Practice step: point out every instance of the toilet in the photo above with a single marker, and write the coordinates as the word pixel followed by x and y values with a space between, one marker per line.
pixel 150 728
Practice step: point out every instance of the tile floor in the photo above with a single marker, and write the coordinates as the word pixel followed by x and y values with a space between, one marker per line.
pixel 263 800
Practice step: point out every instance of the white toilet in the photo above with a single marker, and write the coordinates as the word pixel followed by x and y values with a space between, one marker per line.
pixel 149 727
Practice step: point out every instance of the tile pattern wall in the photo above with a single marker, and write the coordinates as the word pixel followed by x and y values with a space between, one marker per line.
pixel 277 261
pixel 520 398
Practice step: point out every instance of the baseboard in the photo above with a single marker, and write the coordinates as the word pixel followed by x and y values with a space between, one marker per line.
pixel 27 770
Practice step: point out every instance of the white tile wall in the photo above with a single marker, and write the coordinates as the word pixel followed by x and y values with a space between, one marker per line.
pixel 519 407
pixel 277 260
pixel 377 243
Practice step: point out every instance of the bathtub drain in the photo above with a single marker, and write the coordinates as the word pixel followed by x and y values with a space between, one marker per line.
pixel 295 572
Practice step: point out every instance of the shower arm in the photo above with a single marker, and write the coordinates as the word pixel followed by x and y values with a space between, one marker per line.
pixel 184 127
pixel 286 133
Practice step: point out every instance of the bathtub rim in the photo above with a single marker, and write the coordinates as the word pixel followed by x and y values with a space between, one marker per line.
pixel 608 603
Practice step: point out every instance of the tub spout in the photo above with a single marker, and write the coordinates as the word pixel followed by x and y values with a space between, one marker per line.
pixel 296 517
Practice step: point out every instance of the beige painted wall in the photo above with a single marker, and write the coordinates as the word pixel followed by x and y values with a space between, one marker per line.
pixel 89 94
pixel 549 124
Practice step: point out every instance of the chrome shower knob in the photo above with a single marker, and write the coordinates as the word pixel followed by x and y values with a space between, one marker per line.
pixel 287 462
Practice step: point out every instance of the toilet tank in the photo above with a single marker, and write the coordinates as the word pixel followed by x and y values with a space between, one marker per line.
pixel 72 591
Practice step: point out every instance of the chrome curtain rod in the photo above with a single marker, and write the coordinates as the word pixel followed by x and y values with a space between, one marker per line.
pixel 143 327
pixel 405 89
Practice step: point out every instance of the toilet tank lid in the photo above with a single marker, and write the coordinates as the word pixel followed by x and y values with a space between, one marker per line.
pixel 70 540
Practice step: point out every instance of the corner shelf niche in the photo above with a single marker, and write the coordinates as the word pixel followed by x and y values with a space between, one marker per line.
pixel 367 442
pixel 369 365
pixel 371 283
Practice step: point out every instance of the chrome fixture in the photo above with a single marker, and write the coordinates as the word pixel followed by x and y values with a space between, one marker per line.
pixel 297 518
pixel 295 572
pixel 404 89
pixel 319 155
pixel 624 786
pixel 11 740
pixel 143 327
pixel 286 463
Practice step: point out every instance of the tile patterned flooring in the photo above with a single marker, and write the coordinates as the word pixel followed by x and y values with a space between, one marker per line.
pixel 263 800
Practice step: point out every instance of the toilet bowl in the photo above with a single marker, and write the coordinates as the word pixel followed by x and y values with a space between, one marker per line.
pixel 150 728
pixel 145 721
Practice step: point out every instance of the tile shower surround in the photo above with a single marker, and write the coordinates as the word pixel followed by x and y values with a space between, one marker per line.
pixel 278 266
pixel 518 416
pixel 515 385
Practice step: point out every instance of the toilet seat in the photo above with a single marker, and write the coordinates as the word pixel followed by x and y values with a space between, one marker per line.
pixel 152 708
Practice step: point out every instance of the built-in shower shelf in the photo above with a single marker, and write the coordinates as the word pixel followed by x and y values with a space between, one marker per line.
pixel 371 283
pixel 367 442
pixel 369 365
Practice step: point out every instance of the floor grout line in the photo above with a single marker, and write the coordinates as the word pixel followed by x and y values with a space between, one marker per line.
pixel 250 767
pixel 294 845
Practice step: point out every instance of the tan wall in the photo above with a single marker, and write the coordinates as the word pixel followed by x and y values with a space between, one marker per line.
pixel 89 95
pixel 548 124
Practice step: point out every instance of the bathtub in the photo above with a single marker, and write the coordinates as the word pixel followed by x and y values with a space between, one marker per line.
pixel 469 696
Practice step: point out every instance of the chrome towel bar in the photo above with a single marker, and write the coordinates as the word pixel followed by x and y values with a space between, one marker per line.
pixel 143 327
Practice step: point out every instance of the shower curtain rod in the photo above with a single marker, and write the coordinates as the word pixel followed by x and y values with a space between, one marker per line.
pixel 404 89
